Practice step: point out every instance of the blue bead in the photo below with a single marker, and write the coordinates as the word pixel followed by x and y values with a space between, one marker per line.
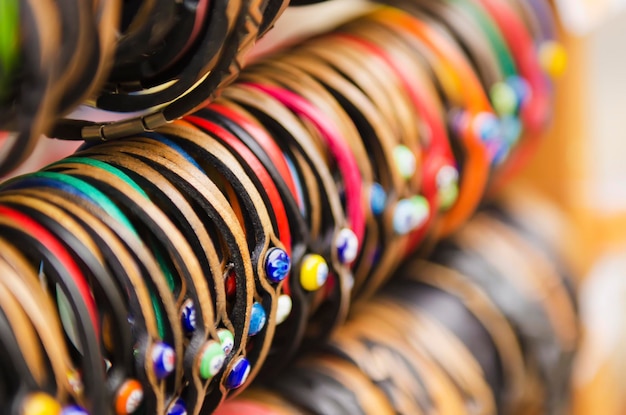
pixel 238 374
pixel 74 410
pixel 347 246
pixel 409 214
pixel 277 265
pixel 177 408
pixel 163 360
pixel 378 199
pixel 521 88
pixel 488 127
pixel 511 130
pixel 258 318
pixel 188 316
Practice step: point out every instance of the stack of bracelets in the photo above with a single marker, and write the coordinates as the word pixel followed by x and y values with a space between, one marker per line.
pixel 486 325
pixel 159 59
pixel 229 224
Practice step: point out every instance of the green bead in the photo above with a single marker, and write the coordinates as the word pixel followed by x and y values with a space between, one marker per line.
pixel 211 360
pixel 227 340
pixel 405 161
pixel 448 196
pixel 504 99
pixel 447 186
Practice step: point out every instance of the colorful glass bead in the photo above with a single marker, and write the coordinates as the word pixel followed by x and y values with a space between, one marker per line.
pixel 378 199
pixel 447 186
pixel 40 403
pixel 283 308
pixel 511 130
pixel 177 408
pixel 347 246
pixel 314 272
pixel 231 284
pixel 277 265
pixel 238 374
pixel 409 214
pixel 163 360
pixel 503 98
pixel 74 410
pixel 75 381
pixel 553 58
pixel 212 359
pixel 227 340
pixel 405 161
pixel 188 316
pixel 129 397
pixel 258 317
pixel 487 127
pixel 521 88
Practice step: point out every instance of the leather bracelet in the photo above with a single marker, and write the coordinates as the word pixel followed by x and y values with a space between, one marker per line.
pixel 422 384
pixel 245 122
pixel 224 70
pixel 143 26
pixel 192 288
pixel 110 302
pixel 35 230
pixel 39 309
pixel 325 393
pixel 128 259
pixel 439 176
pixel 299 82
pixel 343 88
pixel 32 116
pixel 164 307
pixel 56 261
pixel 196 313
pixel 475 164
pixel 81 55
pixel 209 152
pixel 298 138
pixel 345 161
pixel 559 303
pixel 290 326
pixel 483 309
pixel 133 74
pixel 474 370
pixel 544 345
pixel 27 393
pixel 237 319
pixel 345 59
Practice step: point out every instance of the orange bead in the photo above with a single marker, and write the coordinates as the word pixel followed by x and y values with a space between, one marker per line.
pixel 129 397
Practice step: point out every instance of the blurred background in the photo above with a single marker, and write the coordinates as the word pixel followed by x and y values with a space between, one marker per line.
pixel 582 168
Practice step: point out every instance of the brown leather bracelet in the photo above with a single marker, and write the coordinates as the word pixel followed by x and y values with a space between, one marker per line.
pixel 298 81
pixel 475 300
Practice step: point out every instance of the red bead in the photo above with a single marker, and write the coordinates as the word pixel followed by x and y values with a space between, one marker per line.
pixel 231 284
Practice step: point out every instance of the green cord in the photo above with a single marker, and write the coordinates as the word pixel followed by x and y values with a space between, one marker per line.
pixel 9 44
pixel 111 208
pixel 493 34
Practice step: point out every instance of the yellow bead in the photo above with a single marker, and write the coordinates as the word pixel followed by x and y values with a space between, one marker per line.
pixel 41 404
pixel 314 272
pixel 553 58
